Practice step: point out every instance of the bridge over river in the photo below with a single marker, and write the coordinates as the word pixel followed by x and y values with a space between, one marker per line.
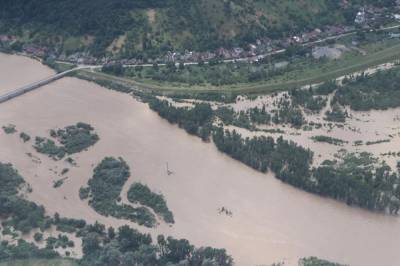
pixel 33 86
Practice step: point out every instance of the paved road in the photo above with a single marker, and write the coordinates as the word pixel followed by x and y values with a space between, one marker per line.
pixel 19 91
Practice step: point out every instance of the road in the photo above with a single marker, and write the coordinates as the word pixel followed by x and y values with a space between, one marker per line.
pixel 260 56
pixel 20 91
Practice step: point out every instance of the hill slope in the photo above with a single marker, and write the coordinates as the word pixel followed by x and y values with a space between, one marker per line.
pixel 129 27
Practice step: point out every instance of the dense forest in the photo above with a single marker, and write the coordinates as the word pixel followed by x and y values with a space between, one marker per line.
pixel 150 28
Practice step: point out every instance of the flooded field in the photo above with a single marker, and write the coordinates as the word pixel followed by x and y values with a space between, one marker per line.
pixel 271 221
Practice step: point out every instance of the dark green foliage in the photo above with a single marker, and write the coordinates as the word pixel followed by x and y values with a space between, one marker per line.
pixel 23 215
pixel 139 193
pixel 288 114
pixel 68 225
pixel 73 139
pixel 196 121
pixel 337 114
pixel 326 88
pixel 289 161
pixel 61 241
pixel 129 247
pixel 49 147
pixel 84 193
pixel 377 142
pixel 357 181
pixel 354 180
pixel 229 117
pixel 25 137
pixel 24 250
pixel 58 183
pixel 379 91
pixel 329 140
pixel 104 192
pixel 307 99
pixel 38 237
pixel 9 129
pixel 244 119
pixel 77 138
pixel 259 116
pixel 313 261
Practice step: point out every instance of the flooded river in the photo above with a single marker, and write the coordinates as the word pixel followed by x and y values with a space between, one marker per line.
pixel 271 221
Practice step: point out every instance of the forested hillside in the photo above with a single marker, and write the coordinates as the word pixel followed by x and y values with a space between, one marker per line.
pixel 131 27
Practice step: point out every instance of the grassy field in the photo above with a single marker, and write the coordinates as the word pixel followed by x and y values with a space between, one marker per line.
pixel 303 74
pixel 40 262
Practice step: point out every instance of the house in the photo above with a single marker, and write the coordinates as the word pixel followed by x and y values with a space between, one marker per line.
pixel 360 17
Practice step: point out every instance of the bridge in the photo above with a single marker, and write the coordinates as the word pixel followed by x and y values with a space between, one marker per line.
pixel 27 88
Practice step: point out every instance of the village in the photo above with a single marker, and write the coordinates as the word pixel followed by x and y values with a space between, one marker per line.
pixel 368 18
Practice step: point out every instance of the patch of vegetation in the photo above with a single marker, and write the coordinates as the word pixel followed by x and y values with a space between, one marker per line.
pixel 356 179
pixel 104 190
pixel 139 193
pixel 378 91
pixel 49 147
pixel 308 99
pixel 16 212
pixel 9 129
pixel 76 138
pixel 58 183
pixel 377 142
pixel 25 137
pixel 40 262
pixel 359 179
pixel 330 140
pixel 61 241
pixel 337 114
pixel 127 246
pixel 10 253
pixel 196 121
pixel 288 113
pixel 73 139
pixel 289 161
pixel 313 261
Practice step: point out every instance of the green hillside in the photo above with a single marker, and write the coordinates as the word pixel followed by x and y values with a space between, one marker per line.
pixel 131 27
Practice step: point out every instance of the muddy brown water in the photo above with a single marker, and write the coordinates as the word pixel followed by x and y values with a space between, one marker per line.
pixel 271 221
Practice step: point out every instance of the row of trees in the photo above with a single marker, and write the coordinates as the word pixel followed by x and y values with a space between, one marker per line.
pixel 196 121
pixel 130 247
pixel 356 179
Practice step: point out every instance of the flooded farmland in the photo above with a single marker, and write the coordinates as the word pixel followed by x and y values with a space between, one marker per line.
pixel 270 222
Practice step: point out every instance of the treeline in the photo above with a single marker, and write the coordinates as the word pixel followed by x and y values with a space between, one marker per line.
pixel 355 179
pixel 130 247
pixel 290 162
pixel 196 120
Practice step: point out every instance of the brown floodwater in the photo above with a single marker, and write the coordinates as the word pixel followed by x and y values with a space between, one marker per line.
pixel 271 221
